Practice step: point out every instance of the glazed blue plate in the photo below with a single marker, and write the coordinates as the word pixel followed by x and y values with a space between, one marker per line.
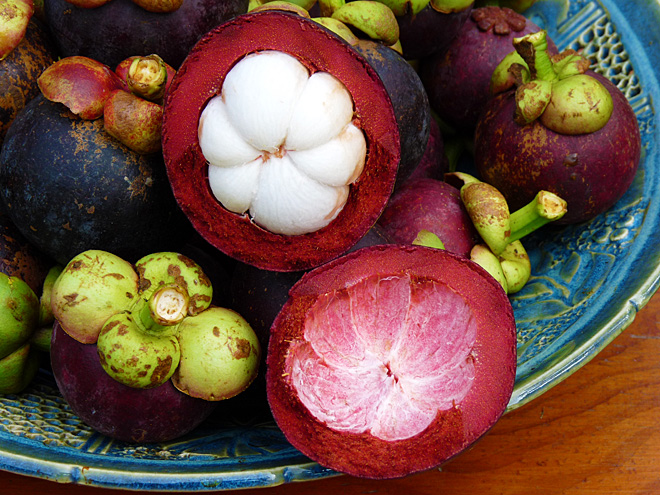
pixel 589 281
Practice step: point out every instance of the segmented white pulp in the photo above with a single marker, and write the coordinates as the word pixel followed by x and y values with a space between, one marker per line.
pixel 281 144
pixel 385 356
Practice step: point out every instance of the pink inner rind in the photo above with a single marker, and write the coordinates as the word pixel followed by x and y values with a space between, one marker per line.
pixel 452 430
pixel 384 356
pixel 200 78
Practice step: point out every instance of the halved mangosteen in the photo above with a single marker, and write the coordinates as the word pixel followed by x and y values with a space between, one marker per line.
pixel 280 141
pixel 391 360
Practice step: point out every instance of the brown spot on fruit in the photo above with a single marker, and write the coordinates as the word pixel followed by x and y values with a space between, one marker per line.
pixel 162 370
pixel 239 348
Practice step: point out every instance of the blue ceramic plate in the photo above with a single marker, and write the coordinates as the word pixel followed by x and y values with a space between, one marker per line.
pixel 589 282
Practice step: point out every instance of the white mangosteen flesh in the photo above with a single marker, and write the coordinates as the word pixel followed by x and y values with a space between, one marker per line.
pixel 281 143
pixel 384 356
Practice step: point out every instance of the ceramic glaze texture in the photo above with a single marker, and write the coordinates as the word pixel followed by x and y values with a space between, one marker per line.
pixel 588 282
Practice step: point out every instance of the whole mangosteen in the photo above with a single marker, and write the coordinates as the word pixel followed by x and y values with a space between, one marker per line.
pixel 391 360
pixel 120 28
pixel 19 71
pixel 428 27
pixel 409 99
pixel 280 141
pixel 562 128
pixel 68 186
pixel 129 414
pixel 458 80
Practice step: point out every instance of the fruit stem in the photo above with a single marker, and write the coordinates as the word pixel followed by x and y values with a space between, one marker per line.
pixel 533 48
pixel 163 310
pixel 544 208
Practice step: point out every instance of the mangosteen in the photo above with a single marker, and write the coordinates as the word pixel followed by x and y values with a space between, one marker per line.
pixel 20 258
pixel 432 205
pixel 68 186
pixel 129 414
pixel 120 28
pixel 428 27
pixel 434 163
pixel 458 80
pixel 391 360
pixel 562 128
pixel 19 71
pixel 280 141
pixel 146 332
pixel 409 99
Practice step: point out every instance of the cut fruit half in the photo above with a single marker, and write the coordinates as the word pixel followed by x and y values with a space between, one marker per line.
pixel 391 360
pixel 280 141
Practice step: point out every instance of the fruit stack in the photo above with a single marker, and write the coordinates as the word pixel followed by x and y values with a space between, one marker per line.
pixel 207 198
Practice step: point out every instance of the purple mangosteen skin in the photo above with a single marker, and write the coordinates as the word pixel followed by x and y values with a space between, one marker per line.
pixel 434 163
pixel 433 205
pixel 458 81
pixel 128 414
pixel 590 171
pixel 409 99
pixel 120 29
pixel 429 32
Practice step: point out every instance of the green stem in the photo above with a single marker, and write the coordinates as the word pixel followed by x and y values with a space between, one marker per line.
pixel 544 208
pixel 163 310
pixel 533 48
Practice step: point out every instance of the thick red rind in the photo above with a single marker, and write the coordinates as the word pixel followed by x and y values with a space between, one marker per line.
pixel 200 77
pixel 452 431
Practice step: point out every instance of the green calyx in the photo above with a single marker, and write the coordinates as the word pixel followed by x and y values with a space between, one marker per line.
pixel 376 20
pixel 19 320
pixel 146 318
pixel 403 7
pixel 502 230
pixel 450 6
pixel 554 90
pixel 300 7
pixel 19 316
pixel 428 239
pixel 160 269
pixel 134 357
pixel 337 27
pixel 147 77
pixel 231 355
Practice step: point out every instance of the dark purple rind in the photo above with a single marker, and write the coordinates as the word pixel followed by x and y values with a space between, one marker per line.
pixel 121 29
pixel 129 414
pixel 590 171
pixel 429 32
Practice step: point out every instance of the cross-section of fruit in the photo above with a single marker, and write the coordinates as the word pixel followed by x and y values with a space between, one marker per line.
pixel 280 141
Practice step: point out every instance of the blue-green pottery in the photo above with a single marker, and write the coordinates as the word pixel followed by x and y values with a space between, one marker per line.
pixel 588 283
